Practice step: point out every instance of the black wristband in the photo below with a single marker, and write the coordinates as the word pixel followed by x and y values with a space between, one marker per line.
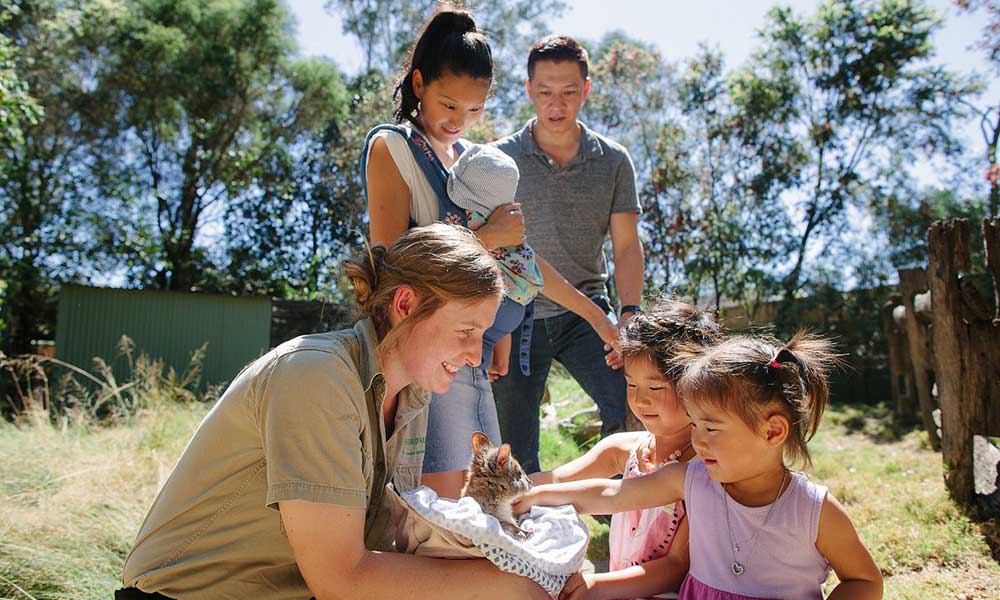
pixel 629 308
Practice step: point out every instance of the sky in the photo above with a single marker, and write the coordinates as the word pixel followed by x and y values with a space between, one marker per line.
pixel 677 28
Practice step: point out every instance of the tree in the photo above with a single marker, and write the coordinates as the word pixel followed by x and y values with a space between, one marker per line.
pixel 989 122
pixel 47 226
pixel 904 220
pixel 207 95
pixel 852 94
pixel 17 107
pixel 712 224
pixel 990 40
pixel 733 225
pixel 386 29
pixel 629 102
pixel 287 239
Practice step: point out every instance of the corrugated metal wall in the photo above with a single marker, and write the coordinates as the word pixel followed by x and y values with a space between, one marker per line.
pixel 167 325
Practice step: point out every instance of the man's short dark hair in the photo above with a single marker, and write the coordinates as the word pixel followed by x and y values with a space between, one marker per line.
pixel 558 48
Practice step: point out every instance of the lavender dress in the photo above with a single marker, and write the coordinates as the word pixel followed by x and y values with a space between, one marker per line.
pixel 779 560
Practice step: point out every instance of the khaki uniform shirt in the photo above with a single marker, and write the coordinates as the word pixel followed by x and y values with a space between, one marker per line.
pixel 303 422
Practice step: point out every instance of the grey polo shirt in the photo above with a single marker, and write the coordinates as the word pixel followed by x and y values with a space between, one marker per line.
pixel 567 210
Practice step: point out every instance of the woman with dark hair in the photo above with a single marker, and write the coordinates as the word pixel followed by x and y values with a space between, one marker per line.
pixel 281 493
pixel 442 88
pixel 441 91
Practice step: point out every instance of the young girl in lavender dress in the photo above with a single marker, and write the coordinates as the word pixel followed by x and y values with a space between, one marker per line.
pixel 757 529
pixel 649 547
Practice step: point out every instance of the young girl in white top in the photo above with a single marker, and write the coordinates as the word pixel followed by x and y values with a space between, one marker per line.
pixel 648 547
pixel 757 529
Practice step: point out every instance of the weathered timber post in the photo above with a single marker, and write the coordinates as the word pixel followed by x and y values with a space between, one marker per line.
pixel 991 331
pixel 911 283
pixel 960 358
pixel 904 407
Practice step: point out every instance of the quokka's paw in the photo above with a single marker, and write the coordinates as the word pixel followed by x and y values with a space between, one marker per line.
pixel 516 531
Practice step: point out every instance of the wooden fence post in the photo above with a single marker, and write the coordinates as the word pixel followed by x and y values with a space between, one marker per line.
pixel 991 335
pixel 960 366
pixel 900 376
pixel 911 283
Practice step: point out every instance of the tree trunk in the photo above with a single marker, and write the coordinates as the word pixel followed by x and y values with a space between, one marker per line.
pixel 912 282
pixel 180 251
pixel 24 305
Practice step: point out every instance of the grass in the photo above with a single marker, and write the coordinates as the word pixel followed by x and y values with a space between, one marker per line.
pixel 891 484
pixel 72 497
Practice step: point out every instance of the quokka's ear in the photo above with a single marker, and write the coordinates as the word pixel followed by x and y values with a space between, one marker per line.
pixel 503 454
pixel 480 440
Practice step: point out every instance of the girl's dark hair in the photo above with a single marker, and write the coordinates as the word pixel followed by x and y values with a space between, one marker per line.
pixel 449 43
pixel 661 330
pixel 754 375
pixel 441 262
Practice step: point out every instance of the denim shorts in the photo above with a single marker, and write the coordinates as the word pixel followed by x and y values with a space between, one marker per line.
pixel 467 407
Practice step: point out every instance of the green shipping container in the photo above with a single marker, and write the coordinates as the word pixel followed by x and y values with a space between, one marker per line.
pixel 165 325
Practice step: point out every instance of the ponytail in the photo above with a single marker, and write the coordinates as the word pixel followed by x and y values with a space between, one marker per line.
pixel 449 42
pixel 807 389
pixel 753 375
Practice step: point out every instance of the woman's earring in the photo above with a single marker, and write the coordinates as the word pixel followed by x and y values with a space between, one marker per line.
pixel 415 111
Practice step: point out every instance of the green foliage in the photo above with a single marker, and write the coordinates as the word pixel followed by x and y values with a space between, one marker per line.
pixel 16 104
pixel 285 237
pixel 989 122
pixel 629 102
pixel 211 107
pixel 47 389
pixel 44 236
pixel 712 223
pixel 729 227
pixel 743 175
pixel 905 220
pixel 851 94
pixel 184 145
pixel 288 239
pixel 386 29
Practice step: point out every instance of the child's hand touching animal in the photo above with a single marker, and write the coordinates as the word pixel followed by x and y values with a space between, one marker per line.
pixel 577 587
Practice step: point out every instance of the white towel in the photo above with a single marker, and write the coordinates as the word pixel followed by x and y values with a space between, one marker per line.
pixel 555 550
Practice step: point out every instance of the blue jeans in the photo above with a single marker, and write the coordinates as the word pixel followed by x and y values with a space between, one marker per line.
pixel 574 343
pixel 467 407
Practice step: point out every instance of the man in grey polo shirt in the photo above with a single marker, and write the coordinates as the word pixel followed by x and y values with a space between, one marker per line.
pixel 576 187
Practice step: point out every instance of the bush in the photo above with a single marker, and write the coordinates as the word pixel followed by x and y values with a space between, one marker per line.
pixel 97 396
